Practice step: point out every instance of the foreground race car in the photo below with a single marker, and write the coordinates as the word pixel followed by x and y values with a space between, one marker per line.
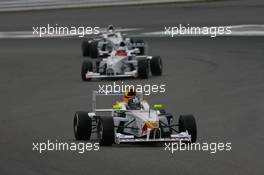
pixel 122 62
pixel 108 40
pixel 132 120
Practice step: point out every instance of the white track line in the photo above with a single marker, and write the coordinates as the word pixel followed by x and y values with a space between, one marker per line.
pixel 61 4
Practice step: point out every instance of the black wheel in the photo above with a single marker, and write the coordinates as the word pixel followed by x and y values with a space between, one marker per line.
pixel 82 126
pixel 86 47
pixel 156 66
pixel 86 66
pixel 94 49
pixel 187 122
pixel 143 68
pixel 140 44
pixel 105 131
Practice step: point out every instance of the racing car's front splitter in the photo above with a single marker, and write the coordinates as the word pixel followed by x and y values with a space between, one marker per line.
pixel 121 138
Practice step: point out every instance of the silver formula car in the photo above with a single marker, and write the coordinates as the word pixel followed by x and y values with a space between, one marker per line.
pixel 132 122
pixel 122 62
pixel 106 41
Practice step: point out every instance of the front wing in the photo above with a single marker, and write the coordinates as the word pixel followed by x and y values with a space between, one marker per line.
pixel 121 138
pixel 92 75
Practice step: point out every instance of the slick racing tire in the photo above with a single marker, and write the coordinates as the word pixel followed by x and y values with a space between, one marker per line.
pixel 156 66
pixel 86 66
pixel 82 126
pixel 143 68
pixel 94 49
pixel 105 131
pixel 187 122
pixel 138 43
pixel 86 47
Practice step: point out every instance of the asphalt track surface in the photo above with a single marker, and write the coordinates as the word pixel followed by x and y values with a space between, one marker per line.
pixel 220 81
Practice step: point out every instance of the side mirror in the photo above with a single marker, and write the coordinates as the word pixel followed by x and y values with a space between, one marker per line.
pixel 158 106
pixel 117 107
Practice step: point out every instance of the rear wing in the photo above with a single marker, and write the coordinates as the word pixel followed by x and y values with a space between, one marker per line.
pixel 96 93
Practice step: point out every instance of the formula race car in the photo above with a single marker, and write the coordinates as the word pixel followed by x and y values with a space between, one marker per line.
pixel 132 120
pixel 122 62
pixel 107 41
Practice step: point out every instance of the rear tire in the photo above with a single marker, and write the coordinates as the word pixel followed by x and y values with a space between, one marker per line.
pixel 143 68
pixel 105 131
pixel 86 66
pixel 187 122
pixel 86 48
pixel 156 66
pixel 82 126
pixel 94 49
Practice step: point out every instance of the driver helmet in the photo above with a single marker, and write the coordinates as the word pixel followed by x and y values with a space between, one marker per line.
pixel 133 103
pixel 110 28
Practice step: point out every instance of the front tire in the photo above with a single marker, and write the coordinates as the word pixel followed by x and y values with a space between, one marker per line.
pixel 82 126
pixel 86 47
pixel 105 131
pixel 156 66
pixel 94 49
pixel 143 68
pixel 187 122
pixel 87 66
